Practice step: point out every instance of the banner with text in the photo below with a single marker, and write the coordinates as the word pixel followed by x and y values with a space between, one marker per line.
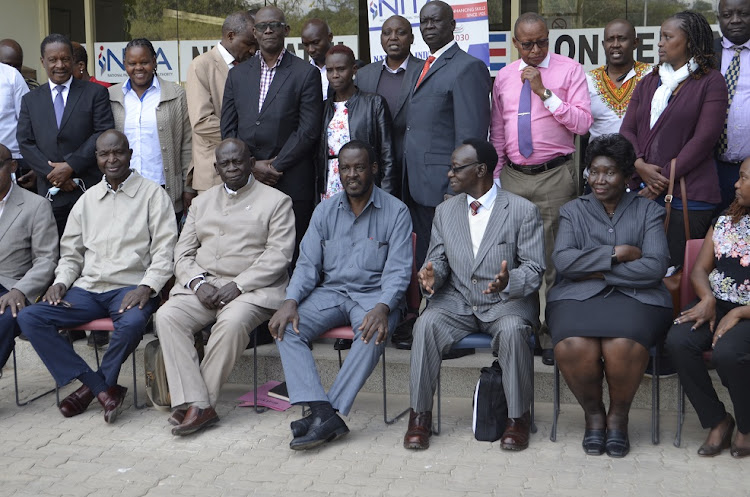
pixel 110 61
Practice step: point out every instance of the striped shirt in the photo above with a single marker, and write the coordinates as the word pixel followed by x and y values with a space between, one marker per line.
pixel 266 77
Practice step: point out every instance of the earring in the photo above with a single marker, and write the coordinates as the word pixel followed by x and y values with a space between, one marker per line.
pixel 81 71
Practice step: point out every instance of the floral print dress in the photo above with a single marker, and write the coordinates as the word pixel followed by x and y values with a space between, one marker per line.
pixel 338 136
pixel 730 279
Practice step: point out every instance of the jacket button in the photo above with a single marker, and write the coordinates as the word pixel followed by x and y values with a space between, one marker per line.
pixel 474 281
pixel 475 308
pixel 611 230
pixel 257 123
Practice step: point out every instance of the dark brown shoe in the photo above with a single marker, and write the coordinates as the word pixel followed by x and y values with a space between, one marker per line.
pixel 707 450
pixel 111 400
pixel 177 417
pixel 196 419
pixel 77 402
pixel 419 431
pixel 516 434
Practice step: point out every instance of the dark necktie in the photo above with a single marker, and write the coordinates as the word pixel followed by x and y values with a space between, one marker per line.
pixel 525 145
pixel 426 68
pixel 732 75
pixel 59 104
pixel 474 206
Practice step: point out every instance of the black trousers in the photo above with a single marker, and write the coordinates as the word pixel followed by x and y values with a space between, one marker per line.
pixel 421 221
pixel 700 221
pixel 303 210
pixel 732 359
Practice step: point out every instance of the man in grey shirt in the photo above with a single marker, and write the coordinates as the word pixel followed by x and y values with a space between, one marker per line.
pixel 353 269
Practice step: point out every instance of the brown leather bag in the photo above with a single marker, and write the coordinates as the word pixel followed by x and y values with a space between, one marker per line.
pixel 672 282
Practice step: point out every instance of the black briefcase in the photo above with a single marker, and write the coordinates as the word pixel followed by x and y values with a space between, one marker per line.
pixel 490 406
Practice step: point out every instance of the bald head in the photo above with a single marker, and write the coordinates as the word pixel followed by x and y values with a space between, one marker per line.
pixel 272 10
pixel 317 40
pixel 234 163
pixel 4 152
pixel 619 44
pixel 111 136
pixel 11 53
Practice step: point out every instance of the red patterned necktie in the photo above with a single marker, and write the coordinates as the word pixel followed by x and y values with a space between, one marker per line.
pixel 426 68
pixel 474 206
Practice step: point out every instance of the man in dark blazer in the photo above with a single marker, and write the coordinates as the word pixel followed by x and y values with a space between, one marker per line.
pixel 449 103
pixel 58 127
pixel 484 268
pixel 28 251
pixel 394 78
pixel 272 102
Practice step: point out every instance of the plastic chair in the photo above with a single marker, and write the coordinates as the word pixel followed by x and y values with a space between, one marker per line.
pixel 484 341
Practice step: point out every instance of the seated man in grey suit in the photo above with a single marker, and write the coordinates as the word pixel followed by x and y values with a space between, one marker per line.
pixel 353 269
pixel 483 269
pixel 231 266
pixel 28 250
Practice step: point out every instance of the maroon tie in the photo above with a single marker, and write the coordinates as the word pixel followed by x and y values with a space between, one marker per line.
pixel 426 68
pixel 474 206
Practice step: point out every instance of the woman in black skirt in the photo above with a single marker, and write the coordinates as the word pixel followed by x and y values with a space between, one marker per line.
pixel 610 305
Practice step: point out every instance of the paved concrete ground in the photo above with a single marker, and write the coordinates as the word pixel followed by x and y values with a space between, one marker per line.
pixel 44 454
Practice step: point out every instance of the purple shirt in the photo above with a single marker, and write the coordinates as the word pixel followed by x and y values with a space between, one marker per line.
pixel 738 124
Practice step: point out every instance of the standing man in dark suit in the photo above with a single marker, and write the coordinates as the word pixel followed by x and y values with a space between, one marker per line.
pixel 733 52
pixel 483 272
pixel 394 78
pixel 58 127
pixel 449 103
pixel 273 103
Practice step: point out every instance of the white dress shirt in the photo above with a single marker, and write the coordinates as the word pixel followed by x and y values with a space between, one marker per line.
pixel 228 58
pixel 5 198
pixel 12 88
pixel 323 77
pixel 478 222
pixel 65 91
pixel 143 132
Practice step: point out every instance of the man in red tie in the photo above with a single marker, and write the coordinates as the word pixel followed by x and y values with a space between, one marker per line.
pixel 539 103
pixel 452 90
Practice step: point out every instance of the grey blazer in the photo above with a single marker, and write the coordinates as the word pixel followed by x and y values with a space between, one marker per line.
pixel 451 104
pixel 28 243
pixel 584 245
pixel 514 233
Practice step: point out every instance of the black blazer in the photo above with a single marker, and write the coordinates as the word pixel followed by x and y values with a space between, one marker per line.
pixel 369 121
pixel 288 126
pixel 87 115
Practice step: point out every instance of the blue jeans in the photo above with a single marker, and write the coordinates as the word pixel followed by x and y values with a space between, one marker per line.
pixel 41 322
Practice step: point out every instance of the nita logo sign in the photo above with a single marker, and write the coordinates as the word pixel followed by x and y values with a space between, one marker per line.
pixel 106 58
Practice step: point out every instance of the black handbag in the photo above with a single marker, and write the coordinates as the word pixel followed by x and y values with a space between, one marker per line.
pixel 490 406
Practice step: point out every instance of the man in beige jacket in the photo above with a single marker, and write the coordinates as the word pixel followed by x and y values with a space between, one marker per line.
pixel 207 75
pixel 231 267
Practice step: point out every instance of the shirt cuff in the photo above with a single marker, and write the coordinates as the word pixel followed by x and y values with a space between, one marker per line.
pixel 239 287
pixel 552 103
pixel 198 277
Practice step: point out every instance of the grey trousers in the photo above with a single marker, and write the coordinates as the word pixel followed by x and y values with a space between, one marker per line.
pixel 300 372
pixel 436 331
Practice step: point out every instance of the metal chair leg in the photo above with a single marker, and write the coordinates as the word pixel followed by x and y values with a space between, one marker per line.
pixel 258 409
pixel 385 399
pixel 556 405
pixel 655 397
pixel 680 413
pixel 437 432
pixel 15 384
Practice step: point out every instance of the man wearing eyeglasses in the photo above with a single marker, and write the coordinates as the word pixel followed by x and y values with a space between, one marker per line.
pixel 482 273
pixel 540 102
pixel 354 266
pixel 273 103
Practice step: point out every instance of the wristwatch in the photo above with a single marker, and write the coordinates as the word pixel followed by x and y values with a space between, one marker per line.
pixel 614 256
pixel 547 93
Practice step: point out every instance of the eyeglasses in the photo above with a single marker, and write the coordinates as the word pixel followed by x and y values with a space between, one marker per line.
pixel 456 170
pixel 529 45
pixel 261 27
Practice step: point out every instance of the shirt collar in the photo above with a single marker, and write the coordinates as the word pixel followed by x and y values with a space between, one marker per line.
pixel 728 44
pixel 402 66
pixel 374 200
pixel 233 193
pixel 545 63
pixel 129 187
pixel 487 200
pixel 440 51
pixel 228 58
pixel 66 84
pixel 154 84
pixel 278 61
pixel 321 69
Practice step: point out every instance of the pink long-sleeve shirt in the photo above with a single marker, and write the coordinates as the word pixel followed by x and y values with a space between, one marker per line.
pixel 554 122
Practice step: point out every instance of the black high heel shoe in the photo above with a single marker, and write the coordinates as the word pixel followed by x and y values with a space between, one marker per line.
pixel 707 450
pixel 593 442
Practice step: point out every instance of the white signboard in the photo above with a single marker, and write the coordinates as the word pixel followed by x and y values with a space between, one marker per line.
pixel 190 49
pixel 110 61
pixel 471 34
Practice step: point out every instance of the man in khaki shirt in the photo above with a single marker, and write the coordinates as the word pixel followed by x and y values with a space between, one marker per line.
pixel 115 257
pixel 231 268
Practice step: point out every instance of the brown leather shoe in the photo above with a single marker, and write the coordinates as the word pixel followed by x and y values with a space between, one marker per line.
pixel 419 431
pixel 111 400
pixel 77 402
pixel 177 417
pixel 516 434
pixel 196 419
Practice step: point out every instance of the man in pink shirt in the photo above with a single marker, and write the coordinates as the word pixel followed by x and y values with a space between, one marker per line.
pixel 538 104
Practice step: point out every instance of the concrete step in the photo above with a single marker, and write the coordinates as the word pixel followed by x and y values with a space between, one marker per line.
pixel 458 376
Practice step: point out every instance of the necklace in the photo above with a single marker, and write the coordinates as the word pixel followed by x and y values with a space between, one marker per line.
pixel 622 76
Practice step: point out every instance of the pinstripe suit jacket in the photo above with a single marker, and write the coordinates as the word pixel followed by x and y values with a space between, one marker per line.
pixel 514 233
pixel 585 241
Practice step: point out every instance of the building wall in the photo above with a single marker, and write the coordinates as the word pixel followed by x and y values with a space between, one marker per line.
pixel 26 22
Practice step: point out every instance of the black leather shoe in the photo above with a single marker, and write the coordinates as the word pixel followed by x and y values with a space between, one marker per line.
pixel 548 357
pixel 707 450
pixel 456 353
pixel 320 432
pixel 618 444
pixel 342 344
pixel 593 442
pixel 403 335
pixel 300 427
pixel 98 339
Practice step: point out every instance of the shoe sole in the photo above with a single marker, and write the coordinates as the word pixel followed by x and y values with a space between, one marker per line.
pixel 189 431
pixel 416 446
pixel 514 448
pixel 340 432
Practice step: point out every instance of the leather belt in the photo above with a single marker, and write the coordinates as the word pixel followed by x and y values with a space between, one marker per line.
pixel 540 168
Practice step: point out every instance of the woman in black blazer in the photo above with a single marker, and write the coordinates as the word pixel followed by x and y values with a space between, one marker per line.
pixel 351 114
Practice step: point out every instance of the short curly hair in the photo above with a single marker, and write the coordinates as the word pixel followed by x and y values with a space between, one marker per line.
pixel 616 147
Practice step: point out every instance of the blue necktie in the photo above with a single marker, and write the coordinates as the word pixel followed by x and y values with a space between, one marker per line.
pixel 524 121
pixel 59 105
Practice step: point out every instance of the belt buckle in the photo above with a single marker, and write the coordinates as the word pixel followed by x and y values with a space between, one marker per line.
pixel 668 198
